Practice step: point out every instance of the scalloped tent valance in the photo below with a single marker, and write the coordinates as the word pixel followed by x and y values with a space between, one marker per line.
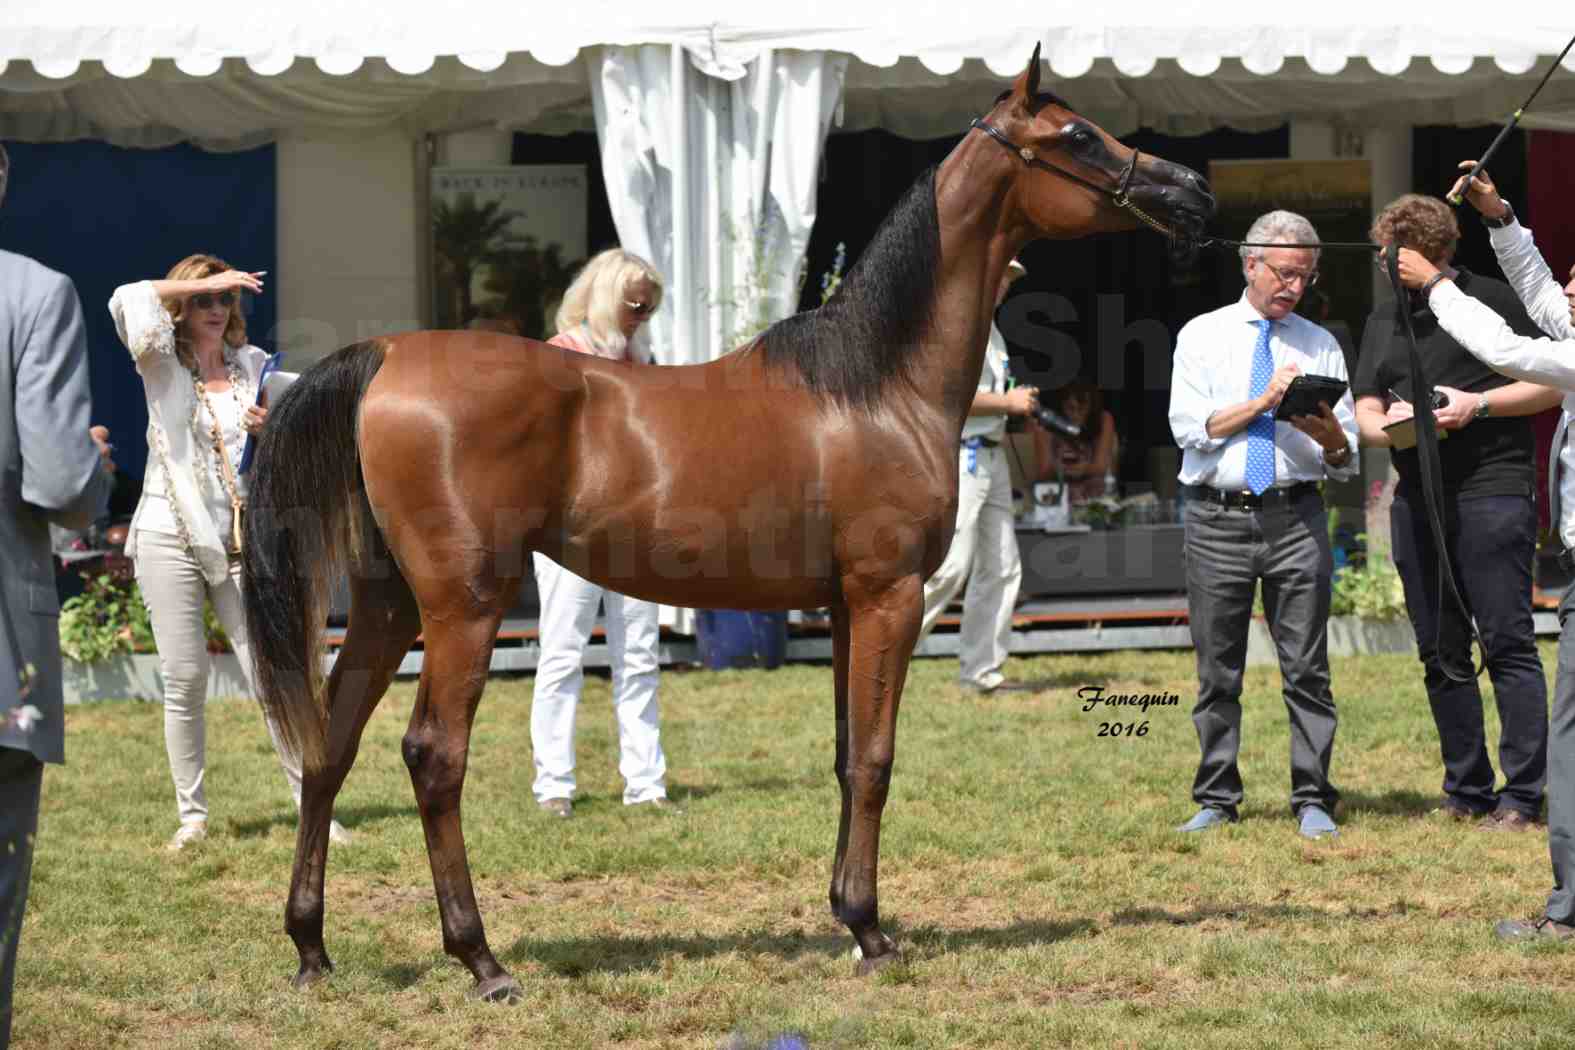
pixel 144 74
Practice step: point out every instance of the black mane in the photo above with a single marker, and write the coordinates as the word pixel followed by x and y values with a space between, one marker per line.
pixel 1040 100
pixel 862 339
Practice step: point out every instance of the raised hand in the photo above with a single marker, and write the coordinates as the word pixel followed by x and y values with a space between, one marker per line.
pixel 1482 194
pixel 1415 270
pixel 234 281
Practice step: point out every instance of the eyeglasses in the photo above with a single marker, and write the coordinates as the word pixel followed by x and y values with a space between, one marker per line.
pixel 638 309
pixel 1307 278
pixel 204 300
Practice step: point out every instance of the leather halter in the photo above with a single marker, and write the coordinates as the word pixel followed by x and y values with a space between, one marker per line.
pixel 1120 196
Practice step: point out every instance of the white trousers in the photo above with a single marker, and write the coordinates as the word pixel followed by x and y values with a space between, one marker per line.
pixel 173 588
pixel 568 612
pixel 984 556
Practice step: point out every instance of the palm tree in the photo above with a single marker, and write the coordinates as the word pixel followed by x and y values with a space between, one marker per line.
pixel 462 235
pixel 528 278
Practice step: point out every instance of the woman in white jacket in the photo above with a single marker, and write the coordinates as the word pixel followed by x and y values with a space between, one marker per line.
pixel 188 338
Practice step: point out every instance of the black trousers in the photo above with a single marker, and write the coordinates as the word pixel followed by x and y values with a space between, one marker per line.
pixel 1491 541
pixel 21 779
pixel 1228 552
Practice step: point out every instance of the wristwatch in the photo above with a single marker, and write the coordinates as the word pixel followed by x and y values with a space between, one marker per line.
pixel 1335 459
pixel 1484 408
pixel 1507 218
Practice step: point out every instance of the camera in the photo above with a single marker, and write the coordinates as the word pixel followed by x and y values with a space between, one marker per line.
pixel 1056 423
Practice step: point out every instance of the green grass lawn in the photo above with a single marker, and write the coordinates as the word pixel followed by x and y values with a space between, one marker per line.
pixel 1029 869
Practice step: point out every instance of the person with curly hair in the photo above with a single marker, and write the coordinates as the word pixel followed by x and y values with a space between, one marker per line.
pixel 1490 519
pixel 188 338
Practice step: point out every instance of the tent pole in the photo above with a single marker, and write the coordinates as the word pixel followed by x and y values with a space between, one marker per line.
pixel 683 284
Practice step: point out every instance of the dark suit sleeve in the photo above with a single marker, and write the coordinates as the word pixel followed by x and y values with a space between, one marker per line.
pixel 61 474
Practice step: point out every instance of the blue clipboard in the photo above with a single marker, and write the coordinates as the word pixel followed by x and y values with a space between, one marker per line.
pixel 269 366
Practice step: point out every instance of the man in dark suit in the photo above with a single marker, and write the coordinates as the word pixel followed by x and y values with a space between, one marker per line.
pixel 50 472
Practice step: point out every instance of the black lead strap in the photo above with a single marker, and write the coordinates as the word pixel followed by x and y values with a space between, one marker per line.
pixel 1430 466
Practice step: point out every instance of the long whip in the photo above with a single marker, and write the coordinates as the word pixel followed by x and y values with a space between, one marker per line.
pixel 1456 198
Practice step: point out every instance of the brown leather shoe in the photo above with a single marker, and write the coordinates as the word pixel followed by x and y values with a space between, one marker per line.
pixel 1543 929
pixel 561 808
pixel 1505 819
pixel 1455 809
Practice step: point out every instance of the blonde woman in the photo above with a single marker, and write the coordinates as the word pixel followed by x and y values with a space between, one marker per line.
pixel 603 313
pixel 188 338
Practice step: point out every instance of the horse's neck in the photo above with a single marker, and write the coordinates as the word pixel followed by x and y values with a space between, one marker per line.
pixel 972 206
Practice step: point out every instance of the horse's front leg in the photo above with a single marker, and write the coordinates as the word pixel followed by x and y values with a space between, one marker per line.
pixel 436 748
pixel 883 625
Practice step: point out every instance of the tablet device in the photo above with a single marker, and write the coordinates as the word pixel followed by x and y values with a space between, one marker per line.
pixel 1306 392
pixel 265 389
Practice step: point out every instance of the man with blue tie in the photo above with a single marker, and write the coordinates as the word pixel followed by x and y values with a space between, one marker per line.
pixel 1254 512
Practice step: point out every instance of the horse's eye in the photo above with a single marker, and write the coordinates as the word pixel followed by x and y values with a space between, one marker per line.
pixel 1078 135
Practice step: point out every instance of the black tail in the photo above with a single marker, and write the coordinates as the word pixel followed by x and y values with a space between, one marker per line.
pixel 307 522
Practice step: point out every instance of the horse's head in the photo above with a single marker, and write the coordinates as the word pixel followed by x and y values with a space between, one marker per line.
pixel 1076 179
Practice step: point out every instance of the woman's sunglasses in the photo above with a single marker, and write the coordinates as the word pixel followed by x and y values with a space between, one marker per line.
pixel 638 309
pixel 204 300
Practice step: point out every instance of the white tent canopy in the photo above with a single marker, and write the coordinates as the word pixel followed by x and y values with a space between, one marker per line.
pixel 146 74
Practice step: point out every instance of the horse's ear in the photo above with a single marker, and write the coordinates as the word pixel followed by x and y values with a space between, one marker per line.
pixel 1027 86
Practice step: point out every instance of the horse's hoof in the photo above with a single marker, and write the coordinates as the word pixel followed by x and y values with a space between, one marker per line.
pixel 879 962
pixel 500 989
pixel 308 976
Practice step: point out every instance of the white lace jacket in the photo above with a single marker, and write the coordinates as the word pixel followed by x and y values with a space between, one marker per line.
pixel 180 454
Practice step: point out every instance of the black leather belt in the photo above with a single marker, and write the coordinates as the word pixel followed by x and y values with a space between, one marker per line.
pixel 1281 497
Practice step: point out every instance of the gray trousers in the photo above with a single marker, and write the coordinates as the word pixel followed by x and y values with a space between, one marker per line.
pixel 1561 770
pixel 21 778
pixel 174 589
pixel 1227 553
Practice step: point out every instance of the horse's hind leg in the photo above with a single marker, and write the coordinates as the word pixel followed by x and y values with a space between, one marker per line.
pixel 883 624
pixel 436 748
pixel 384 621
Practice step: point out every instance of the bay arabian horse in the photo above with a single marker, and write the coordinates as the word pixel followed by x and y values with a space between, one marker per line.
pixel 816 466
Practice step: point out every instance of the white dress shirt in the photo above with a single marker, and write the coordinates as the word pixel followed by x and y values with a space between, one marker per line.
pixel 992 380
pixel 1549 361
pixel 1213 370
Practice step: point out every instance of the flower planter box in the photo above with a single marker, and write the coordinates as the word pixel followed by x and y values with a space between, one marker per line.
pixel 1348 636
pixel 136 676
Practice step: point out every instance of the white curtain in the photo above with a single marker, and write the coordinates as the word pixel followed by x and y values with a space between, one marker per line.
pixel 742 145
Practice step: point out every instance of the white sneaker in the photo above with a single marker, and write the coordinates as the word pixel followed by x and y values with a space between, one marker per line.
pixel 337 834
pixel 187 835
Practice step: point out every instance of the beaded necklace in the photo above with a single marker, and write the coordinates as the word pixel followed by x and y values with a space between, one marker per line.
pixel 227 482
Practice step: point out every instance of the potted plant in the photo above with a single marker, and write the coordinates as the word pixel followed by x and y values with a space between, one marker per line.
pixel 106 637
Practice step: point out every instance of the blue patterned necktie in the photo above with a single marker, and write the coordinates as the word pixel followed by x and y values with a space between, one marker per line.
pixel 1260 432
